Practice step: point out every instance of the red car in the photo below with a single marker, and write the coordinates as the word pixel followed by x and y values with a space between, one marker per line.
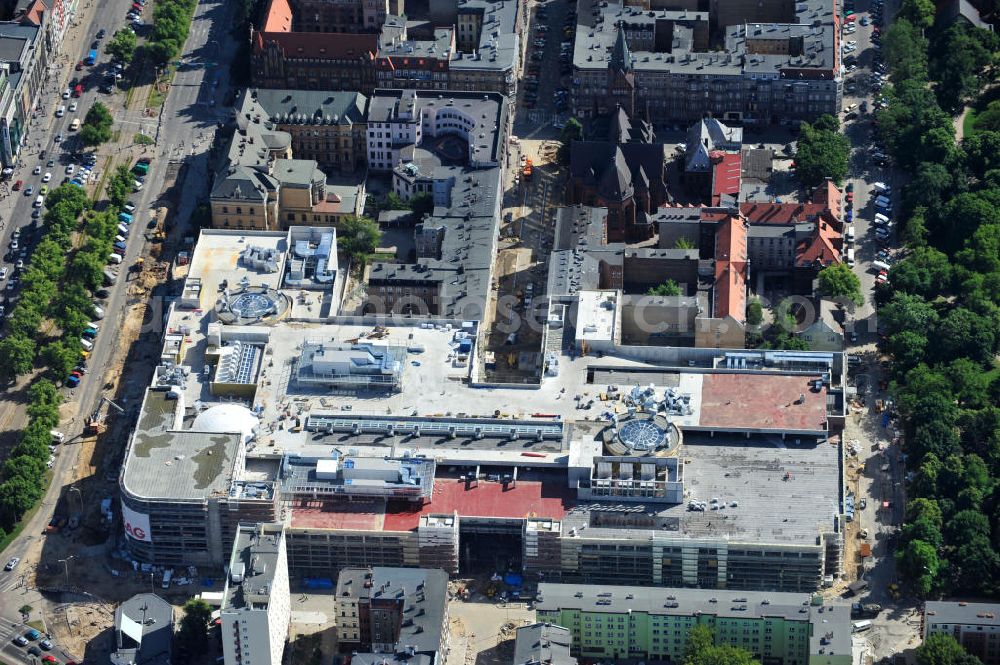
pixel 850 197
pixel 17 185
pixel 49 658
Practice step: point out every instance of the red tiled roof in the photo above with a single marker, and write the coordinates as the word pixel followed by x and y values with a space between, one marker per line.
pixel 731 268
pixel 321 45
pixel 726 176
pixel 829 195
pixel 823 247
pixel 278 28
pixel 35 14
pixel 279 17
pixel 780 213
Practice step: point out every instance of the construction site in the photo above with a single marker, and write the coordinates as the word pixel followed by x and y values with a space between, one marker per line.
pixel 515 313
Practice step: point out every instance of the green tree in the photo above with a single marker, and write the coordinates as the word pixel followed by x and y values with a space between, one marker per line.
pixel 821 154
pixel 926 272
pixel 961 56
pixel 394 202
pixel 358 237
pixel 121 47
pixel 919 565
pixel 755 313
pixel 918 12
pixel 667 288
pixel 684 242
pixel 119 187
pixel 700 650
pixel 192 637
pixel 61 356
pixel 963 332
pixel 699 639
pixel 572 131
pixel 422 204
pixel 905 50
pixel 97 123
pixel 839 282
pixel 942 649
pixel 17 355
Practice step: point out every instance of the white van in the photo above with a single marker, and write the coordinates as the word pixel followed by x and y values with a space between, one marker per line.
pixel 114 258
pixel 861 626
pixel 850 256
pixel 86 344
pixel 119 238
pixel 849 233
pixel 61 111
pixel 122 229
pixel 39 200
pixel 881 188
pixel 881 219
pixel 75 125
pixel 169 575
pixel 879 266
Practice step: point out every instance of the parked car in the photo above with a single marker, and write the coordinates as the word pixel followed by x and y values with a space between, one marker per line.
pixel 12 564
pixel 20 641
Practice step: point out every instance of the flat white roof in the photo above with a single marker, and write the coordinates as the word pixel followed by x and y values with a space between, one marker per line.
pixel 595 316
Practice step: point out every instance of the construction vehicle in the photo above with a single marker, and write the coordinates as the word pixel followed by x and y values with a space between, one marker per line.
pixel 95 422
pixel 528 169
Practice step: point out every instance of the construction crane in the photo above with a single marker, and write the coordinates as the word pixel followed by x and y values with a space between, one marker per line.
pixel 95 421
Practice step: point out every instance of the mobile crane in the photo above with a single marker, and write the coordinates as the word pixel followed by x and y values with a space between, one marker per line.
pixel 95 421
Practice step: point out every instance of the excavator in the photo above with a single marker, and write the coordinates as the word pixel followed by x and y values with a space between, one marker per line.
pixel 95 421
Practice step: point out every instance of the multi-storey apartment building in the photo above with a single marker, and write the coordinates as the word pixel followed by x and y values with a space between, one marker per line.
pixel 618 622
pixel 976 626
pixel 393 611
pixel 256 606
pixel 476 45
pixel 758 66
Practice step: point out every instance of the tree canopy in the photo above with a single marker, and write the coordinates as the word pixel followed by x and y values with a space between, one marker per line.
pixel 358 237
pixel 701 649
pixel 940 313
pixel 822 152
pixel 96 127
pixel 121 47
pixel 839 282
pixel 667 288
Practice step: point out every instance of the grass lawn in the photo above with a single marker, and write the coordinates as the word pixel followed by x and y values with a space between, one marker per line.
pixel 969 123
pixel 37 625
pixel 979 106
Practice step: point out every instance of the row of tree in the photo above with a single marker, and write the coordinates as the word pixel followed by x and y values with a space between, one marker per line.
pixel 23 475
pixel 171 23
pixel 41 291
pixel 57 288
pixel 941 314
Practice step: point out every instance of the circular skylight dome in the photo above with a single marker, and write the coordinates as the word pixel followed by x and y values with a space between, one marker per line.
pixel 227 419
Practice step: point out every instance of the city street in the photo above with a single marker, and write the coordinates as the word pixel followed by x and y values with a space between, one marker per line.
pixel 184 128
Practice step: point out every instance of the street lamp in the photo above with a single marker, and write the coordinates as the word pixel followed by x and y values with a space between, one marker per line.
pixel 65 563
pixel 79 496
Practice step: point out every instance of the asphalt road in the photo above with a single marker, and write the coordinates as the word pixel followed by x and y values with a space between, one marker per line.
pixel 184 130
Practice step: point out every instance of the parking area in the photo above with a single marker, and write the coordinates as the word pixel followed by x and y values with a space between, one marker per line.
pixel 543 96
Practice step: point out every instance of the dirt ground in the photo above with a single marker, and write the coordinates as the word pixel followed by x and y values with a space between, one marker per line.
pixel 482 631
